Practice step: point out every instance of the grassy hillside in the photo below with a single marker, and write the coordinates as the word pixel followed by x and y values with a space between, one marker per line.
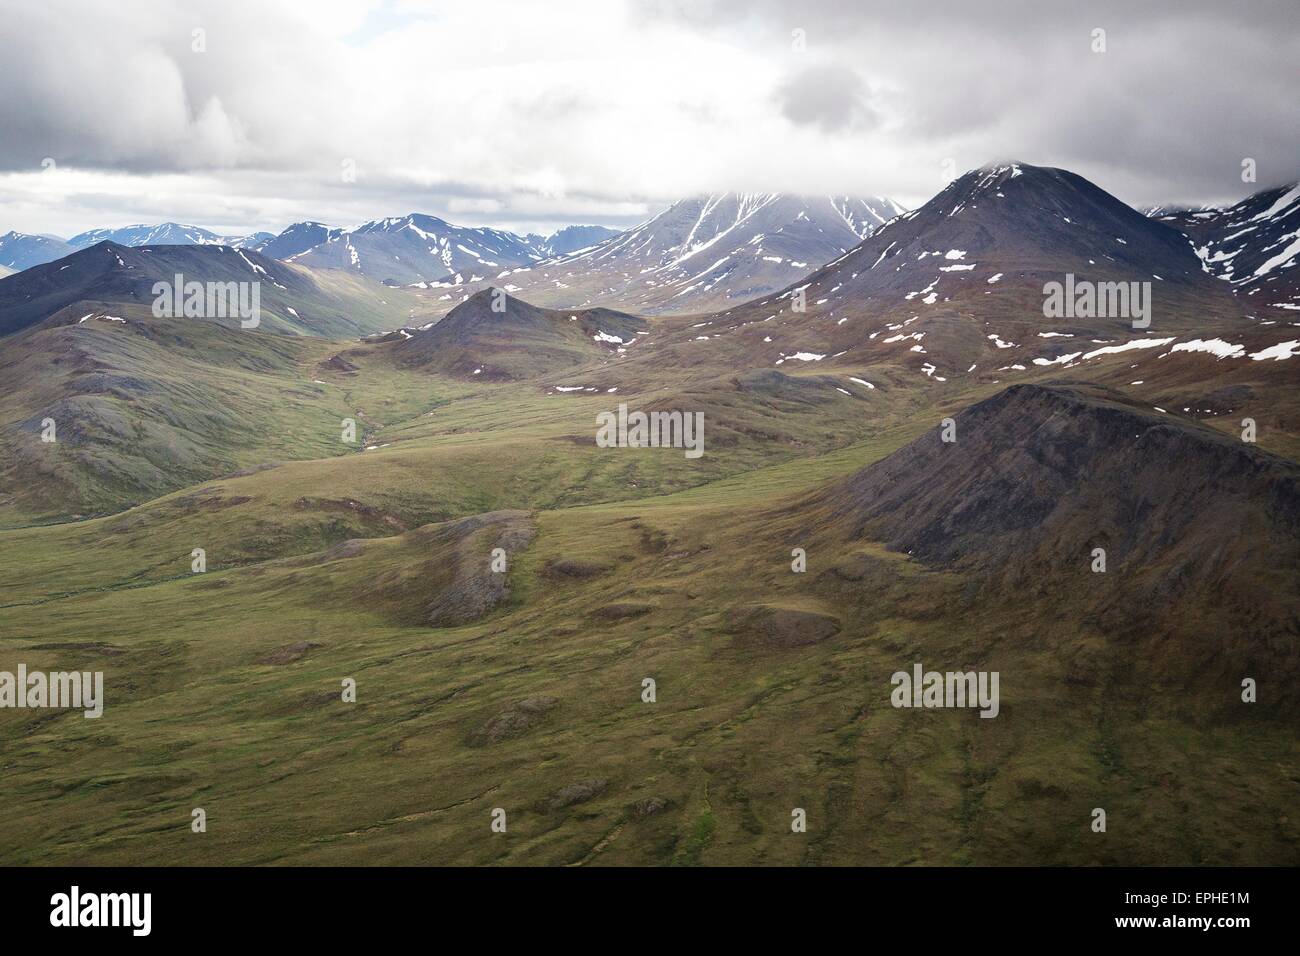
pixel 522 690
pixel 224 693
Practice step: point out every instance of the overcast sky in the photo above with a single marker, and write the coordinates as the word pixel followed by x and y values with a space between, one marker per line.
pixel 529 115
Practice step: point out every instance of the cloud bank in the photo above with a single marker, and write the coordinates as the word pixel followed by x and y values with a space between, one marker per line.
pixel 528 116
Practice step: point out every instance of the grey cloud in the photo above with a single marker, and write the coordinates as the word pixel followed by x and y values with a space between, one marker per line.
pixel 1185 90
pixel 883 94
pixel 829 96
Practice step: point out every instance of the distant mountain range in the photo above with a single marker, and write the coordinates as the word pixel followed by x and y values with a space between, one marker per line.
pixel 995 234
pixel 420 249
pixel 699 253
pixel 19 251
pixel 403 251
pixel 702 253
pixel 714 251
pixel 165 234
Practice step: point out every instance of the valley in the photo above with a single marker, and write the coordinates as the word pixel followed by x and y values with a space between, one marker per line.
pixel 524 690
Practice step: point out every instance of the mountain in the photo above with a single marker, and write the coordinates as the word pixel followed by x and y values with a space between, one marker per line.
pixel 1071 464
pixel 520 689
pixel 163 234
pixel 1254 245
pixel 20 251
pixel 146 406
pixel 1201 531
pixel 252 240
pixel 486 245
pixel 961 286
pixel 571 239
pixel 297 239
pixel 421 249
pixel 119 280
pixel 1011 223
pixel 707 252
pixel 520 341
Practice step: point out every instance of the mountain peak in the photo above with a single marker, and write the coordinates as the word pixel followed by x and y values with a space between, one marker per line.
pixel 995 235
pixel 1071 463
pixel 711 250
pixel 517 339
pixel 416 249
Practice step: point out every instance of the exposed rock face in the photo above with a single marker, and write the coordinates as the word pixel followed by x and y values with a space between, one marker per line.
pixel 579 792
pixel 621 611
pixel 650 806
pixel 1248 244
pixel 574 569
pixel 514 721
pixel 476 588
pixel 782 627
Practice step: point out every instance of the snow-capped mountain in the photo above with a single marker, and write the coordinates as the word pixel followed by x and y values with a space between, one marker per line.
pixel 570 239
pixel 164 234
pixel 418 249
pixel 1007 224
pixel 19 251
pixel 962 283
pixel 297 239
pixel 707 252
pixel 1254 245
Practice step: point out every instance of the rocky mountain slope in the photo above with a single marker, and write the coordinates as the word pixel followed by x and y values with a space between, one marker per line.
pixel 20 251
pixel 420 249
pixel 1253 245
pixel 702 253
pixel 521 340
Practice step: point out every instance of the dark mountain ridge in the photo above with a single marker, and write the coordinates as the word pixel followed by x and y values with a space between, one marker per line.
pixel 1201 531
pixel 114 278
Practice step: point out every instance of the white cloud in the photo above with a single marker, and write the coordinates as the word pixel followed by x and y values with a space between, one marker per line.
pixel 532 115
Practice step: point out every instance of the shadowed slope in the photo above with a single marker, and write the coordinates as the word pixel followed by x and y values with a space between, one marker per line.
pixel 119 280
pixel 1201 531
